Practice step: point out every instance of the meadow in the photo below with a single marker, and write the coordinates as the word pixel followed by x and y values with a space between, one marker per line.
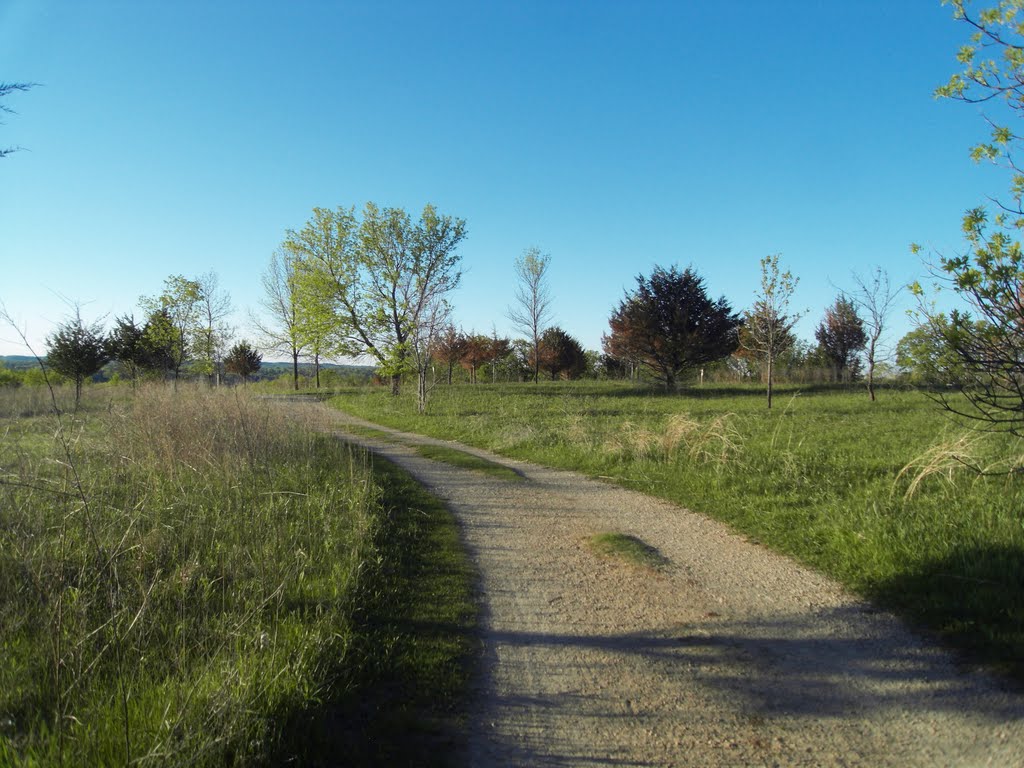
pixel 199 577
pixel 876 495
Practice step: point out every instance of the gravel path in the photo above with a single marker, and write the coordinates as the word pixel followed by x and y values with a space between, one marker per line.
pixel 731 656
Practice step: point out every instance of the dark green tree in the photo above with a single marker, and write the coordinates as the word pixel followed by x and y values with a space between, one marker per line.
pixel 126 344
pixel 841 336
pixel 671 325
pixel 242 360
pixel 77 350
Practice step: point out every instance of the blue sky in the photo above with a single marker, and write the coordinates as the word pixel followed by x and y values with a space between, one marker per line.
pixel 179 138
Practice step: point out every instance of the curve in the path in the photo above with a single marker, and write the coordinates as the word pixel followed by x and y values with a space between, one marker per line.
pixel 732 656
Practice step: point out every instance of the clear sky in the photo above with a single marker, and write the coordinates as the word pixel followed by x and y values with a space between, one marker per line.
pixel 183 137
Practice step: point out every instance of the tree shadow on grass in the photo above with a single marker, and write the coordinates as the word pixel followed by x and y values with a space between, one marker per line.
pixel 973 598
pixel 395 690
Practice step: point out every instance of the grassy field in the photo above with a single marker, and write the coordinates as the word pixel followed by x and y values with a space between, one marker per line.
pixel 817 477
pixel 192 578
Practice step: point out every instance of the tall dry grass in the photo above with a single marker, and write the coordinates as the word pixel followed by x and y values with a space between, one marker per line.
pixel 176 570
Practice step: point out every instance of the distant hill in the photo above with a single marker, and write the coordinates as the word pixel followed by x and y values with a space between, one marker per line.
pixel 18 362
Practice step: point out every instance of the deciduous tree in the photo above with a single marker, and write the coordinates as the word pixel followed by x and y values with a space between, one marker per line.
pixel 532 311
pixel 450 348
pixel 926 357
pixel 768 326
pixel 671 324
pixel 174 318
pixel 987 337
pixel 281 328
pixel 387 278
pixel 876 298
pixel 476 353
pixel 212 332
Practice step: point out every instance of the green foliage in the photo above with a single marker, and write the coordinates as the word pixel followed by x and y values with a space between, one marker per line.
pixel 671 325
pixel 988 337
pixel 9 378
pixel 243 360
pixel 816 479
pixel 378 283
pixel 767 330
pixel 185 323
pixel 77 350
pixel 925 355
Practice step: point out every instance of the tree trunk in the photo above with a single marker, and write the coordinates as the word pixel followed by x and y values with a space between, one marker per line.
pixel 316 366
pixel 770 373
pixel 421 391
pixel 871 371
pixel 396 384
pixel 295 369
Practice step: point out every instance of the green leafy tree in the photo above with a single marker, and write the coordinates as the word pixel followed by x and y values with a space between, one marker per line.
pixel 386 278
pixel 925 356
pixel 243 360
pixel 671 325
pixel 174 320
pixel 77 350
pixel 841 336
pixel 162 345
pixel 532 309
pixel 768 326
pixel 9 378
pixel 986 336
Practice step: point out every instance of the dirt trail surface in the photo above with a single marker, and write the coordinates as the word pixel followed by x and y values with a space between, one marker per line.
pixel 731 656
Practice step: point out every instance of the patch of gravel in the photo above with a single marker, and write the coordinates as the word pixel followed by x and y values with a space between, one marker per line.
pixel 731 656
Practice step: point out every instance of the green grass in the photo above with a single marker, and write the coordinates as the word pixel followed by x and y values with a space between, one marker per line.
pixel 630 549
pixel 192 578
pixel 465 460
pixel 375 434
pixel 817 477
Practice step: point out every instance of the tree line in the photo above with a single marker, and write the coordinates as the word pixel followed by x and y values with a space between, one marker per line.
pixel 185 330
pixel 377 284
